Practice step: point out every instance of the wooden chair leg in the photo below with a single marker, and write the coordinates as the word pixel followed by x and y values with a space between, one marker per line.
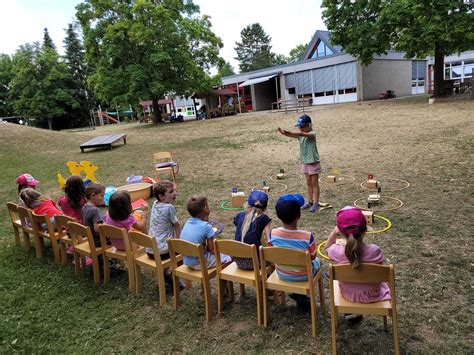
pixel 265 305
pixel 230 286
pixel 258 290
pixel 106 270
pixel 16 232
pixel 220 295
pixel 385 323
pixel 138 279
pixel 162 287
pixel 96 270
pixel 322 299
pixel 333 329
pixel 176 300
pixel 63 253
pixel 131 276
pixel 56 253
pixel 312 296
pixel 282 298
pixel 242 290
pixel 39 246
pixel 396 341
pixel 76 263
pixel 207 300
pixel 26 240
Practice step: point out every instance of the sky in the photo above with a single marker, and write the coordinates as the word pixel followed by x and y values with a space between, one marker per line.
pixel 288 23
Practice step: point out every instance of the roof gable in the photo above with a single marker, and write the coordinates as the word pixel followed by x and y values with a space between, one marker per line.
pixel 323 36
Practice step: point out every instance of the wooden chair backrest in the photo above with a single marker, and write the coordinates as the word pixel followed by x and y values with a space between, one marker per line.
pixel 235 248
pixel 38 219
pixel 78 233
pixel 364 273
pixel 285 256
pixel 162 156
pixel 108 231
pixel 185 248
pixel 12 211
pixel 61 224
pixel 143 240
pixel 25 216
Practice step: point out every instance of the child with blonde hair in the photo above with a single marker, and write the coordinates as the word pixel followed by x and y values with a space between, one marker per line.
pixel 252 224
pixel 311 166
pixel 40 204
pixel 352 225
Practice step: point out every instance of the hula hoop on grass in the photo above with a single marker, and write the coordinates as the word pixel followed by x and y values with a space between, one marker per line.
pixel 296 176
pixel 320 252
pixel 407 185
pixel 339 182
pixel 225 203
pixel 400 204
pixel 284 188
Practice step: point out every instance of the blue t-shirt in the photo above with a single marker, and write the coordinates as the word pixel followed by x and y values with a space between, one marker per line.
pixel 256 228
pixel 196 231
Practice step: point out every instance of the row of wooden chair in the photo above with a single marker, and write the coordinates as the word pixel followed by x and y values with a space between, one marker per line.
pixel 262 277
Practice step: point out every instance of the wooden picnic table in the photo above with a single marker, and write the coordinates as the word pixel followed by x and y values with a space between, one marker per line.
pixel 103 141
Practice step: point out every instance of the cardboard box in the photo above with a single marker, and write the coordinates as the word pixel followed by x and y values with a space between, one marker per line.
pixel 238 199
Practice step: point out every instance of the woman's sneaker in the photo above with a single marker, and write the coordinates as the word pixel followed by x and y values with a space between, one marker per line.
pixel 307 205
pixel 314 207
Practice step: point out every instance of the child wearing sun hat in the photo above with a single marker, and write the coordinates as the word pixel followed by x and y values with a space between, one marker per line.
pixel 24 181
pixel 352 225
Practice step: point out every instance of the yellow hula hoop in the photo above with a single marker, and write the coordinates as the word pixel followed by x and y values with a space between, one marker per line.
pixel 407 185
pixel 348 179
pixel 379 210
pixel 386 228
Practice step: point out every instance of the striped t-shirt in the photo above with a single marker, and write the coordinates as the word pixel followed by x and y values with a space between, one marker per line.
pixel 293 239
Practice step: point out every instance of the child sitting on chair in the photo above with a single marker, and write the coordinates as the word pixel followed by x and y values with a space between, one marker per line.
pixel 75 197
pixel 120 215
pixel 91 216
pixel 198 230
pixel 288 210
pixel 24 181
pixel 39 204
pixel 251 225
pixel 352 225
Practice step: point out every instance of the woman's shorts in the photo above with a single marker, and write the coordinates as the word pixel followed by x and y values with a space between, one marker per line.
pixel 311 169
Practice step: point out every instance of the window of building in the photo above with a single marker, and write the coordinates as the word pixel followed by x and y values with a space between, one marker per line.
pixel 321 50
pixel 319 94
pixel 340 92
pixel 291 91
pixel 351 90
pixel 329 93
pixel 468 68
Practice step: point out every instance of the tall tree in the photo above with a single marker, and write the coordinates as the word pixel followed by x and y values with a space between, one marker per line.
pixel 41 87
pixel 254 49
pixel 225 69
pixel 6 76
pixel 74 58
pixel 47 41
pixel 418 27
pixel 144 49
pixel 296 53
pixel 279 59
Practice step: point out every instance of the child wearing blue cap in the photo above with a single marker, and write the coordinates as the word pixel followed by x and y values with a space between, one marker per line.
pixel 251 225
pixel 309 156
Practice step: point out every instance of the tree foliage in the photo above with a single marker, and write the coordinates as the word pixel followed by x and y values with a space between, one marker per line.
pixel 47 41
pixel 366 28
pixel 254 49
pixel 296 53
pixel 42 86
pixel 144 49
pixel 6 76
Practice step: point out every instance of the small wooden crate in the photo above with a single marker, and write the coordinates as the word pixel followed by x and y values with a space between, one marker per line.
pixel 372 184
pixel 369 217
pixel 238 199
pixel 266 188
pixel 374 198
pixel 331 178
pixel 280 176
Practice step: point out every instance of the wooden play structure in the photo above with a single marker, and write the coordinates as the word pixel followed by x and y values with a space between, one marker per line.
pixel 216 102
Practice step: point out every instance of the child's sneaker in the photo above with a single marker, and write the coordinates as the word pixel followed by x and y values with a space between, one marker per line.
pixel 314 207
pixel 306 205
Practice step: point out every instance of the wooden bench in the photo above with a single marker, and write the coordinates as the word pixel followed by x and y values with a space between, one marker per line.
pixel 103 141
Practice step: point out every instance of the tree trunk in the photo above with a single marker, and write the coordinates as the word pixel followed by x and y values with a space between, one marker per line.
pixel 439 71
pixel 50 123
pixel 156 110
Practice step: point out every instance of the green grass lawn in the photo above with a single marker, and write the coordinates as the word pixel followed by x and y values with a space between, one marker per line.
pixel 46 308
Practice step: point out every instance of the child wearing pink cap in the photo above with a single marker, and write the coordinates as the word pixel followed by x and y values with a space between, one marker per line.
pixel 24 181
pixel 352 225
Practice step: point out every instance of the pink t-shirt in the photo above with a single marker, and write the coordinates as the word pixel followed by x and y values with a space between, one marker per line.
pixel 356 292
pixel 127 224
pixel 69 211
